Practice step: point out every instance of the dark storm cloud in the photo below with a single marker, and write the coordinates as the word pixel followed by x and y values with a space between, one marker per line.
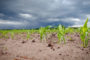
pixel 36 13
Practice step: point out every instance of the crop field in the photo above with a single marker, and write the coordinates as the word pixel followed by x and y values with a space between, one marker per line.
pixel 46 43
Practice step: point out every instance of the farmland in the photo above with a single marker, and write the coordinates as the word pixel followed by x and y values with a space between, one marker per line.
pixel 46 43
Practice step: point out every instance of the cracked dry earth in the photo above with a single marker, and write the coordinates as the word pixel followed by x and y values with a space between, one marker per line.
pixel 20 48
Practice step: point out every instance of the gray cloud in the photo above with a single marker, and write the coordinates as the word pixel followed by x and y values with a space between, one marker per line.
pixel 40 12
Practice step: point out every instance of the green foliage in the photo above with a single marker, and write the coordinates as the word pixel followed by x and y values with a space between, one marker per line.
pixel 84 34
pixel 61 33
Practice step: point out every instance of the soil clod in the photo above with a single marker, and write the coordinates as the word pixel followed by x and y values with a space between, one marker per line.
pixel 33 41
pixel 23 42
pixel 87 52
pixel 58 47
pixel 40 50
pixel 50 45
pixel 82 49
pixel 60 54
pixel 2 53
pixel 16 59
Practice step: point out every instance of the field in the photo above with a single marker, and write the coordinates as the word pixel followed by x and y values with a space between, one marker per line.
pixel 45 43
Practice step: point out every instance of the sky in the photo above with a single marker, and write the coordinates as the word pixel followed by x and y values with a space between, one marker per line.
pixel 28 14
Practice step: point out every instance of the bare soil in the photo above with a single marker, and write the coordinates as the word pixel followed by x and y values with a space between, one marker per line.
pixel 20 48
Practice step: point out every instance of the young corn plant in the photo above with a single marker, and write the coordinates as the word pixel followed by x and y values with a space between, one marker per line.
pixel 84 34
pixel 4 34
pixel 67 30
pixel 32 31
pixel 28 35
pixel 12 34
pixel 42 32
pixel 61 34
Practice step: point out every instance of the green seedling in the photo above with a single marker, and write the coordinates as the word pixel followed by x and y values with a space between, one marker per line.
pixel 28 35
pixel 84 34
pixel 42 32
pixel 70 38
pixel 12 34
pixel 4 34
pixel 61 33
pixel 32 31
pixel 69 30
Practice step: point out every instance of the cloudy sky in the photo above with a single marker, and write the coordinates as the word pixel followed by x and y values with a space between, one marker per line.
pixel 19 14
